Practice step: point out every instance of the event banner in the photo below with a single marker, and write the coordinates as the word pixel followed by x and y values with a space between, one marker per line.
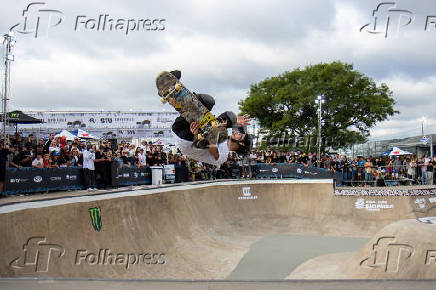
pixel 292 170
pixel 131 176
pixel 102 124
pixel 29 179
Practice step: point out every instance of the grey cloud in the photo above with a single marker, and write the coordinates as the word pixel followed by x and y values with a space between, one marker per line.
pixel 241 42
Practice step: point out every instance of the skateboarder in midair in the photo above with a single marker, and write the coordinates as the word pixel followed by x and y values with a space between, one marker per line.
pixel 216 154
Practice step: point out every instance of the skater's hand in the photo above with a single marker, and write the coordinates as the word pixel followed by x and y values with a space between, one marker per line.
pixel 244 120
pixel 194 127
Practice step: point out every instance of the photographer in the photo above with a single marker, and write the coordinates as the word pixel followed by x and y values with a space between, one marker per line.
pixel 103 164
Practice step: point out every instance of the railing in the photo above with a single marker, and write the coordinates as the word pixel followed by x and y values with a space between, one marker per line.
pixel 28 180
pixel 386 176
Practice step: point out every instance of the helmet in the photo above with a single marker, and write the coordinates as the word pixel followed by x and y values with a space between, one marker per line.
pixel 207 100
pixel 176 73
pixel 245 145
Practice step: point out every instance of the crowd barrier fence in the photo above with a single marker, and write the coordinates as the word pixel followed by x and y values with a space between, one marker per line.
pixel 29 180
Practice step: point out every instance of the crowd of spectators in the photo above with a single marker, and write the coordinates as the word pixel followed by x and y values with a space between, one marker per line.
pixel 361 171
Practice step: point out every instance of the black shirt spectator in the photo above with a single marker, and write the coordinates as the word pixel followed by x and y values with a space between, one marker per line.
pixel 31 142
pixel 24 158
pixel 48 143
pixel 304 160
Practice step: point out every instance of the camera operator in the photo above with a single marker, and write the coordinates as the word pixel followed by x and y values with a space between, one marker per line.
pixel 103 161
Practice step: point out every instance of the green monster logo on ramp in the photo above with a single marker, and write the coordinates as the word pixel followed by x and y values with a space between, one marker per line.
pixel 95 214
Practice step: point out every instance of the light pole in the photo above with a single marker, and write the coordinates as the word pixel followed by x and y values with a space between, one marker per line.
pixel 9 43
pixel 319 101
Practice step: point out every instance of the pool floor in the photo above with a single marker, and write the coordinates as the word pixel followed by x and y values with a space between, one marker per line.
pixel 275 257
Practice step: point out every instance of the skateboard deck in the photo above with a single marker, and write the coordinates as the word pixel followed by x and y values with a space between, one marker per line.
pixel 171 90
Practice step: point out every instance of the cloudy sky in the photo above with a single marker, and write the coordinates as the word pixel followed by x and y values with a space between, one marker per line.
pixel 221 47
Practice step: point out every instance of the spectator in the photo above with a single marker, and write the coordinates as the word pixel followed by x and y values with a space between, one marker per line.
pixel 89 168
pixel 118 160
pixel 48 143
pixel 47 162
pixel 24 157
pixel 40 146
pixel 423 164
pixel 4 152
pixel 142 159
pixel 102 165
pixel 304 160
pixel 430 169
pixel 53 147
pixel 54 159
pixel 125 158
pixel 17 141
pixel 76 157
pixel 64 158
pixel 38 162
pixel 12 158
pixel 368 172
pixel 31 142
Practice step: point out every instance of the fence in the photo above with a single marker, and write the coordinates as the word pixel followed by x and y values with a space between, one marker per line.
pixel 386 176
pixel 28 180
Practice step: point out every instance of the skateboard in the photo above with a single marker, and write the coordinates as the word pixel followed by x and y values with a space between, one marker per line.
pixel 174 92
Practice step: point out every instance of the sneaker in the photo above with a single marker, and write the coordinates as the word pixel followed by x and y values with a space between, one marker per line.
pixel 95 188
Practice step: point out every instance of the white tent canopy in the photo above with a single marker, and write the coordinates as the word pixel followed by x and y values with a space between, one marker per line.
pixel 83 134
pixel 68 135
pixel 395 151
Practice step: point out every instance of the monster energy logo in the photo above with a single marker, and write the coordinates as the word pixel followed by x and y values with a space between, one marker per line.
pixel 95 214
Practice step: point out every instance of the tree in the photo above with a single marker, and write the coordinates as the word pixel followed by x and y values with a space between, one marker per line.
pixel 353 104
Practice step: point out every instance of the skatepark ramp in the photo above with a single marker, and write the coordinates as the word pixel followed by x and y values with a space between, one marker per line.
pixel 203 231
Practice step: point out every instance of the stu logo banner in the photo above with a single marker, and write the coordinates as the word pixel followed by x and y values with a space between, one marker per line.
pixel 95 214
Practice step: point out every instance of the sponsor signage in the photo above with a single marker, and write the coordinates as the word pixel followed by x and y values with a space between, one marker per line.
pixel 246 194
pixel 44 179
pixel 292 170
pixel 109 124
pixel 372 205
pixel 169 172
pixel 131 176
pixel 68 178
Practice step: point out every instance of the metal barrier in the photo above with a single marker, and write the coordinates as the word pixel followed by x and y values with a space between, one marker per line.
pixel 28 180
pixel 386 176
pixel 294 170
